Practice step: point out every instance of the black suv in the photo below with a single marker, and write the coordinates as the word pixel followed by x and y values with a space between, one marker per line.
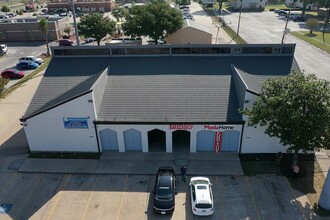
pixel 164 191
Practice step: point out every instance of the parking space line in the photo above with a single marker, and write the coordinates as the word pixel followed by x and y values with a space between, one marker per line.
pixel 3 189
pixel 90 197
pixel 294 196
pixel 122 197
pixel 30 193
pixel 58 197
pixel 254 199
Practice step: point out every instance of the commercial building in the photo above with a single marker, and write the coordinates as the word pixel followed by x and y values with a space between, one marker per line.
pixel 159 98
pixel 27 29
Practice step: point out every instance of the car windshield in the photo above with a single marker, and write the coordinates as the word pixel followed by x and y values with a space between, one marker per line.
pixel 164 192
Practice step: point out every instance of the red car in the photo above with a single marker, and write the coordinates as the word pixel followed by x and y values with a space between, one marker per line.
pixel 12 74
pixel 65 42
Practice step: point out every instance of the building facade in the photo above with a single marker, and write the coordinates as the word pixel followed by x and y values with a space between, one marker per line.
pixel 184 98
pixel 82 6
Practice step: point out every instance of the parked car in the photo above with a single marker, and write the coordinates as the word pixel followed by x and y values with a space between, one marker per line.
pixel 282 13
pixel 11 14
pixel 65 42
pixel 4 16
pixel 326 30
pixel 26 65
pixel 300 19
pixel 164 191
pixel 201 196
pixel 153 42
pixel 90 39
pixel 293 15
pixel 3 49
pixel 32 59
pixel 12 74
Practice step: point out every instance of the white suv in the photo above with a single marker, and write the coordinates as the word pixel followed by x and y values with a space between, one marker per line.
pixel 32 59
pixel 3 49
pixel 201 196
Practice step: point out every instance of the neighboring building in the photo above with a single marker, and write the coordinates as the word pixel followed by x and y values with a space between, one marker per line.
pixel 27 29
pixel 248 5
pixel 209 2
pixel 299 4
pixel 191 33
pixel 81 5
pixel 164 98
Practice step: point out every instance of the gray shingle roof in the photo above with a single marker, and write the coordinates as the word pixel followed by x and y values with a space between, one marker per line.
pixel 169 98
pixel 163 88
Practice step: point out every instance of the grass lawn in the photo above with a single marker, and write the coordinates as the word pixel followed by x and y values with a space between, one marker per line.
pixel 310 180
pixel 315 39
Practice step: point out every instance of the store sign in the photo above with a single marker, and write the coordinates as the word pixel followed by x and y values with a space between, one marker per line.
pixel 217 141
pixel 218 127
pixel 181 127
pixel 75 123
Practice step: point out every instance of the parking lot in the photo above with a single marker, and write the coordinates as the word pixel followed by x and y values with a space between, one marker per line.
pixel 82 196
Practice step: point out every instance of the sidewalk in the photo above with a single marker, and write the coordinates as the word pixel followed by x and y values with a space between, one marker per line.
pixel 138 164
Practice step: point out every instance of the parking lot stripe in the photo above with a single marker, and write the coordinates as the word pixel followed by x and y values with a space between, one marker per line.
pixel 30 193
pixel 294 197
pixel 58 197
pixel 122 197
pixel 90 197
pixel 3 189
pixel 253 198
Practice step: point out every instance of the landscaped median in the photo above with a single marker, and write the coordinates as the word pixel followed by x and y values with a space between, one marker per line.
pixel 315 39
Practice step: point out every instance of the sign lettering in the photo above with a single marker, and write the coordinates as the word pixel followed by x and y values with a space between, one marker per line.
pixel 181 127
pixel 217 141
pixel 219 127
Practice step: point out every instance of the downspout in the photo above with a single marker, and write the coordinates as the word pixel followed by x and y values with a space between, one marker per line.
pixel 97 137
pixel 240 146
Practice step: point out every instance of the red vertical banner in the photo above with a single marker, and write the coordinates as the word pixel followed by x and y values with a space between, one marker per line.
pixel 217 141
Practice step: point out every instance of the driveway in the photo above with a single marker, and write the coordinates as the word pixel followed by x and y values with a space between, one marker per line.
pixel 267 27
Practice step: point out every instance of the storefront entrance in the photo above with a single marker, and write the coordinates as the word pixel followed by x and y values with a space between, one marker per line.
pixel 181 141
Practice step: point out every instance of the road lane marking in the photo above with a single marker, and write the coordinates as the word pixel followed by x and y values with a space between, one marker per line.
pixel 122 197
pixel 254 199
pixel 58 197
pixel 90 197
pixel 30 193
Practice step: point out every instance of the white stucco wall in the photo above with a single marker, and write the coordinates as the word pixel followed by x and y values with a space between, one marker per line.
pixel 193 129
pixel 46 131
pixel 254 140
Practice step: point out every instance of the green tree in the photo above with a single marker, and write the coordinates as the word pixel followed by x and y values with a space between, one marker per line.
pixel 119 13
pixel 312 25
pixel 96 26
pixel 296 109
pixel 156 20
pixel 43 27
pixel 5 9
pixel 67 30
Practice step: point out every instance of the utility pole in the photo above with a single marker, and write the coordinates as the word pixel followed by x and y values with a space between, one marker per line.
pixel 239 17
pixel 286 27
pixel 75 22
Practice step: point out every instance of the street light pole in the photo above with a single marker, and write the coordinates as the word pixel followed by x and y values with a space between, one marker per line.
pixel 239 17
pixel 286 27
pixel 75 23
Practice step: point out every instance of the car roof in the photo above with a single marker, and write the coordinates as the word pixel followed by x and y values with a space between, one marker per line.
pixel 202 192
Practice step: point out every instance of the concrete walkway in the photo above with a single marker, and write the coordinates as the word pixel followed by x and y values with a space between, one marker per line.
pixel 138 163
